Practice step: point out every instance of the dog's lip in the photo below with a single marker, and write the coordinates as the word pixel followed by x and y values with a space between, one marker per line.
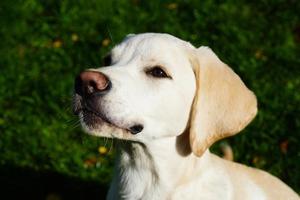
pixel 98 114
pixel 81 107
pixel 102 117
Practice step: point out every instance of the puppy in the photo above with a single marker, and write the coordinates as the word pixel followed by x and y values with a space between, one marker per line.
pixel 171 102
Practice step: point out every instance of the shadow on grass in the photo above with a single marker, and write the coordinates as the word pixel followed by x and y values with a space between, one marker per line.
pixel 20 183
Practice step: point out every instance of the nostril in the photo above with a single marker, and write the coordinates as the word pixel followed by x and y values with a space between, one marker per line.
pixel 78 86
pixel 90 82
pixel 108 85
pixel 91 87
pixel 136 129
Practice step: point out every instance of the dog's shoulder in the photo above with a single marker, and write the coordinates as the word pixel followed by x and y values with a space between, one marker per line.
pixel 255 181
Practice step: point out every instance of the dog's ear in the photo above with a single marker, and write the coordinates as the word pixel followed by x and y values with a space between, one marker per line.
pixel 222 106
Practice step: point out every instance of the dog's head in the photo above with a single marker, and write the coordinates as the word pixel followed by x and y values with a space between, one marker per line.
pixel 155 86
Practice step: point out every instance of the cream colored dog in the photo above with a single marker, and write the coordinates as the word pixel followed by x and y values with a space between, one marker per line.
pixel 171 101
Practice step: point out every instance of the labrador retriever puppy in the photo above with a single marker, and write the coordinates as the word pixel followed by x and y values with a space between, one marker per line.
pixel 171 101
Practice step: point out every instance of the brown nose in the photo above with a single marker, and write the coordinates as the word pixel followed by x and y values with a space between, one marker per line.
pixel 90 82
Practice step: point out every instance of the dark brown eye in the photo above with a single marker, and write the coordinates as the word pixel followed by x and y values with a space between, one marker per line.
pixel 107 60
pixel 157 72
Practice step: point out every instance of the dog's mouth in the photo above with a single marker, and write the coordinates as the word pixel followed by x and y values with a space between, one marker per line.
pixel 95 121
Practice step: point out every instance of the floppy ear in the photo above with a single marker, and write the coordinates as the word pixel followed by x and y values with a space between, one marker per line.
pixel 222 106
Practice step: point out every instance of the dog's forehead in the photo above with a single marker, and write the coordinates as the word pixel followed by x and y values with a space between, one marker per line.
pixel 151 45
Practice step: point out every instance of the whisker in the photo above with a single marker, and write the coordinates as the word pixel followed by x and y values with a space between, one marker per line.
pixel 75 119
pixel 105 142
pixel 110 35
pixel 112 142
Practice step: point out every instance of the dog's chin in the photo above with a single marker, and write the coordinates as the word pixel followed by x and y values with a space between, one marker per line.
pixel 96 126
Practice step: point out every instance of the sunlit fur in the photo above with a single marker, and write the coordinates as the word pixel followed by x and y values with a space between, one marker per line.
pixel 203 101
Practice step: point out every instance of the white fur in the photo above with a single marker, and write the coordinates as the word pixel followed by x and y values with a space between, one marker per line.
pixel 158 162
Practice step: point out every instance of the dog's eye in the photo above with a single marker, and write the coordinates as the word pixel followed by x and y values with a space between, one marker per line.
pixel 157 72
pixel 107 60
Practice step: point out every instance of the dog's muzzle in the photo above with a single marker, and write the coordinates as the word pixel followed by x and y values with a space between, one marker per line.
pixel 90 87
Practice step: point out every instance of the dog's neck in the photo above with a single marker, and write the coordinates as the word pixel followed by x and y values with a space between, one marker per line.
pixel 143 169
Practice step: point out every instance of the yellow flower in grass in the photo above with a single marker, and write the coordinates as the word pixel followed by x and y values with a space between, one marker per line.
pixel 57 43
pixel 102 150
pixel 259 54
pixel 105 42
pixel 74 37
pixel 172 6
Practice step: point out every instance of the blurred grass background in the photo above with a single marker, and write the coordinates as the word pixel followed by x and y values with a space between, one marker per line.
pixel 45 43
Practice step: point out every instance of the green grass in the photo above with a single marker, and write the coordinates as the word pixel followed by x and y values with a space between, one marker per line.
pixel 44 44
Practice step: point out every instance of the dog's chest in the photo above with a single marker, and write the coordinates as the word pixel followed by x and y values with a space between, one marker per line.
pixel 137 175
